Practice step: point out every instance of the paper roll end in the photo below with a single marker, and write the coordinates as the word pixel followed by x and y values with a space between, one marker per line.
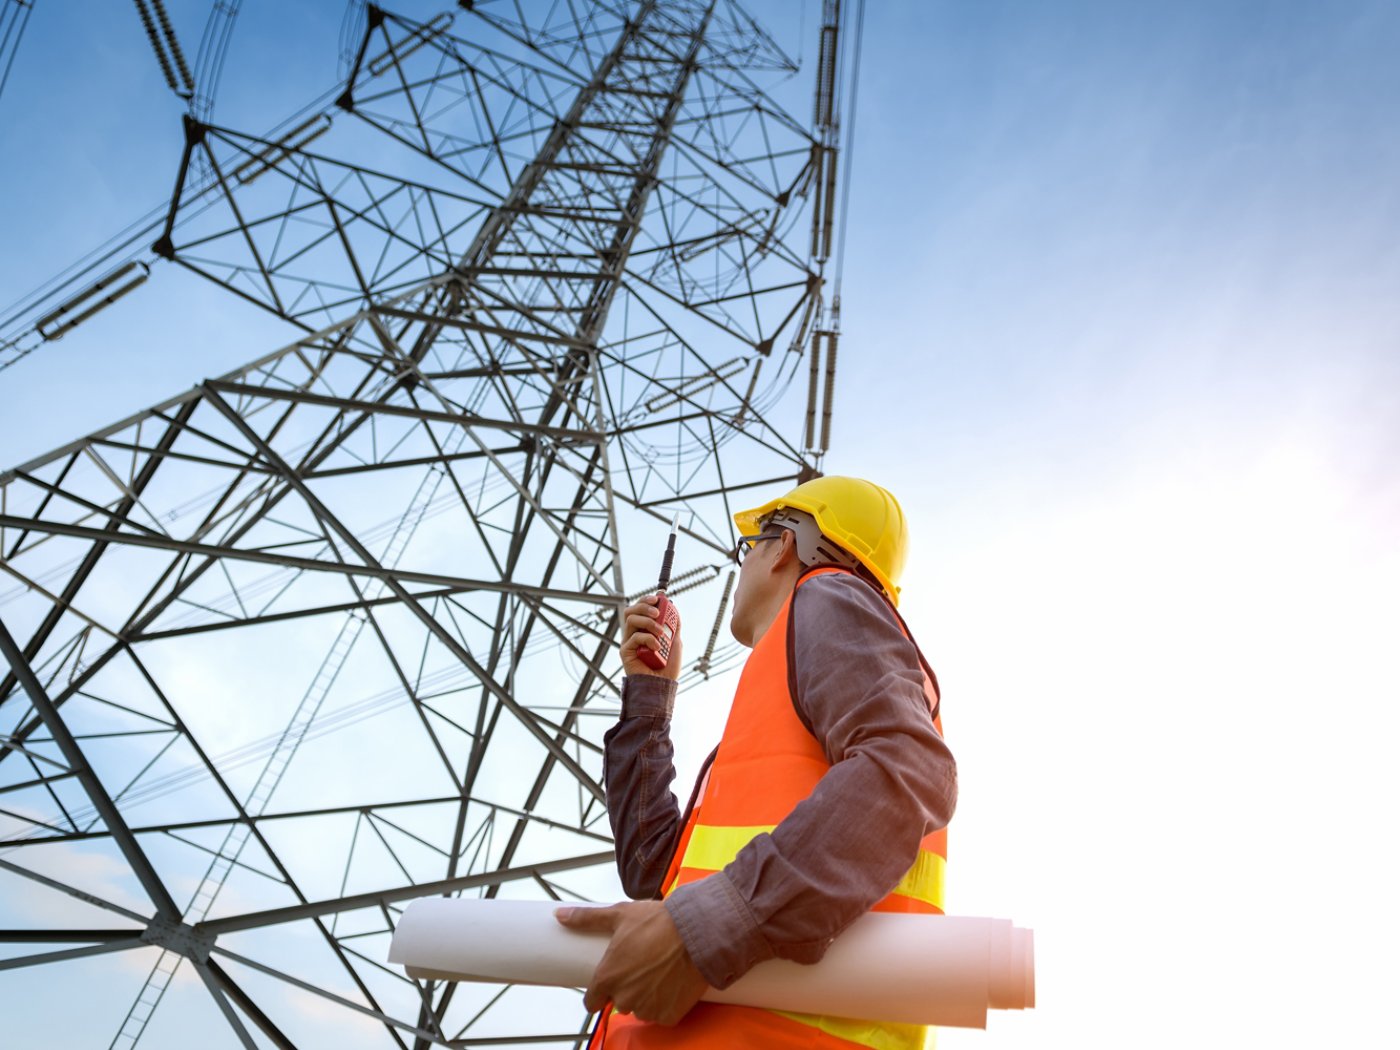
pixel 1011 983
pixel 1028 961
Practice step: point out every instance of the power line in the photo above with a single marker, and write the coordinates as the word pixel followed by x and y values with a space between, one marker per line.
pixel 209 60
pixel 13 21
pixel 849 152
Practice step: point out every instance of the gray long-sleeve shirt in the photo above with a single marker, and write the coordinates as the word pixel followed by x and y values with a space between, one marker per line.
pixel 843 848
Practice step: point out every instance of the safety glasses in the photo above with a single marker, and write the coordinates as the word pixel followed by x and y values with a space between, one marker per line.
pixel 746 543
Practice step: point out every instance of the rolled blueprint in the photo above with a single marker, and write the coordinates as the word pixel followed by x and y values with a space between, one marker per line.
pixel 899 969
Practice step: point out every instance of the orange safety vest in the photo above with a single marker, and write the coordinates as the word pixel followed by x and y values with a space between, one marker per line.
pixel 767 762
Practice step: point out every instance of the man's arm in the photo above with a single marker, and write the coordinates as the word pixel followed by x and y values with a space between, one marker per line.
pixel 637 773
pixel 892 781
pixel 645 969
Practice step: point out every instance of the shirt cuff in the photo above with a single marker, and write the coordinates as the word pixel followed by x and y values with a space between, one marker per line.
pixel 720 933
pixel 647 696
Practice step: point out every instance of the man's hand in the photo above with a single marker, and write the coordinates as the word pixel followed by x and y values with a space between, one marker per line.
pixel 641 629
pixel 645 970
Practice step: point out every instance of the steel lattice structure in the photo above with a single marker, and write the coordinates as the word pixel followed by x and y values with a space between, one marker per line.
pixel 330 632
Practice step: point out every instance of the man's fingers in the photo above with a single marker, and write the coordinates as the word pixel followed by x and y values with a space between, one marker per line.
pixel 641 640
pixel 590 920
pixel 644 971
pixel 643 623
pixel 593 1000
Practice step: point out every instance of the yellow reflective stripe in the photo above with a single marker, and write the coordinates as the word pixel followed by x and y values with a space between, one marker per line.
pixel 924 881
pixel 711 848
pixel 867 1033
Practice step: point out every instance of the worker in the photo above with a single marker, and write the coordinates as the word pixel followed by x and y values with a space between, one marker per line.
pixel 826 798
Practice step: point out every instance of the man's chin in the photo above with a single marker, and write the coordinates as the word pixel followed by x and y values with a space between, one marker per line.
pixel 739 633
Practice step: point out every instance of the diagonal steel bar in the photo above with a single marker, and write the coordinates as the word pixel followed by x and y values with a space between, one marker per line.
pixel 292 913
pixel 77 761
pixel 64 954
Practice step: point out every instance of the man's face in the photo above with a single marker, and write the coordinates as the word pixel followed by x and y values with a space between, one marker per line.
pixel 756 583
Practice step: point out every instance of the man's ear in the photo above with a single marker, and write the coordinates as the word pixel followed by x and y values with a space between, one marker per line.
pixel 787 550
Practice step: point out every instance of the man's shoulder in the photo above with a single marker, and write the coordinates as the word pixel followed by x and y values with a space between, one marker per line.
pixel 841 596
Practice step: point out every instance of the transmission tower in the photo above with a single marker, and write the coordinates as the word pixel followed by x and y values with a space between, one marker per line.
pixel 336 630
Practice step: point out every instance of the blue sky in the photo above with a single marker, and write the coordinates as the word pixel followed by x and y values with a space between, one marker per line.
pixel 1120 329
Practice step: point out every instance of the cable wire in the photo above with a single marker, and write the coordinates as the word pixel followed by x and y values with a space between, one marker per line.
pixel 209 61
pixel 846 167
pixel 12 26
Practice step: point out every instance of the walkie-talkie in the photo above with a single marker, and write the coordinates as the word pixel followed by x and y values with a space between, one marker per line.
pixel 669 617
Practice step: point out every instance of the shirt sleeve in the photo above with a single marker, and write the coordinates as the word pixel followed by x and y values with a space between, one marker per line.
pixel 638 768
pixel 892 781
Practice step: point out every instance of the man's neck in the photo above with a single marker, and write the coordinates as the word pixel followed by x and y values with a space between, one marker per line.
pixel 775 596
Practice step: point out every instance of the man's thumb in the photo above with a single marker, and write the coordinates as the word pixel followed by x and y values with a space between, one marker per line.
pixel 589 919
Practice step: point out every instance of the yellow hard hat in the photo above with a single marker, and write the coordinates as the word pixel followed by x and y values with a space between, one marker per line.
pixel 857 515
